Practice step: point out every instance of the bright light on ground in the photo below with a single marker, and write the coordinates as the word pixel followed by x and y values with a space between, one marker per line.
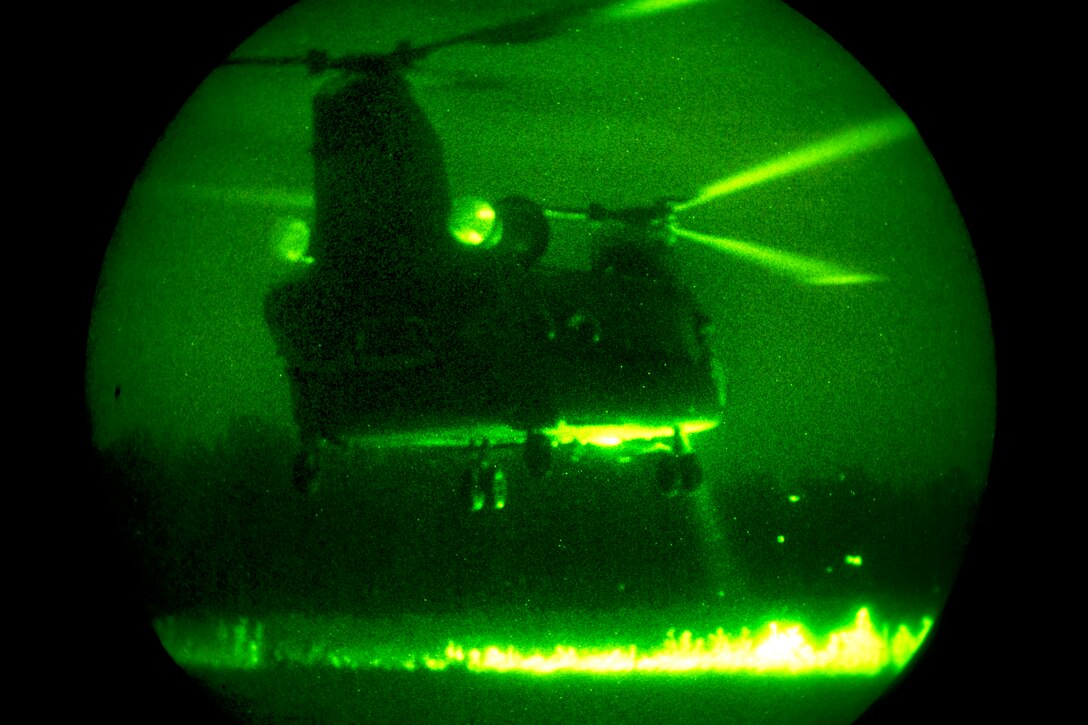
pixel 777 648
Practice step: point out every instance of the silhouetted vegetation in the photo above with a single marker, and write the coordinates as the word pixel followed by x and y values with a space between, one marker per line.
pixel 210 526
pixel 851 535
pixel 221 527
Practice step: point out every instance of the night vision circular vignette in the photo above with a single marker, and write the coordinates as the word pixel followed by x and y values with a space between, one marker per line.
pixel 688 416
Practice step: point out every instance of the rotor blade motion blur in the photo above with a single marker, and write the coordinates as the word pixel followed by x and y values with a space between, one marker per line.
pixel 851 142
pixel 639 8
pixel 804 269
pixel 517 32
pixel 280 199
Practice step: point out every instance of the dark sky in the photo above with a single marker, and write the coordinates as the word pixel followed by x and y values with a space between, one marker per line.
pixel 896 377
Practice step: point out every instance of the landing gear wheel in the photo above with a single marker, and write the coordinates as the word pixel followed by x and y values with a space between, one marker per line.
pixel 691 472
pixel 538 454
pixel 679 473
pixel 305 471
pixel 472 488
pixel 497 490
pixel 668 474
pixel 484 486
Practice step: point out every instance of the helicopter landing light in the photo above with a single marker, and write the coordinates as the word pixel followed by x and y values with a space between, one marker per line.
pixel 851 142
pixel 474 223
pixel 609 436
pixel 776 649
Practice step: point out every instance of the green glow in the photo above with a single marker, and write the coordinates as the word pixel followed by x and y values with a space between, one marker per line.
pixel 473 222
pixel 824 380
pixel 239 158
pixel 781 539
pixel 777 648
pixel 229 647
pixel 852 560
pixel 804 269
pixel 609 436
pixel 859 139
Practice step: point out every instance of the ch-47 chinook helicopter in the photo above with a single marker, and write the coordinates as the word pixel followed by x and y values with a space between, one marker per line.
pixel 423 321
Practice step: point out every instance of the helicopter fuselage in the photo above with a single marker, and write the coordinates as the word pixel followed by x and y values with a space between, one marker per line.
pixel 400 335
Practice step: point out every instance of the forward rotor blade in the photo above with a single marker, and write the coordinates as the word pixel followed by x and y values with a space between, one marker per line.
pixel 804 269
pixel 527 30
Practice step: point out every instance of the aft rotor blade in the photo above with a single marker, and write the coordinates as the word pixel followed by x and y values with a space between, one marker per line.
pixel 290 199
pixel 851 142
pixel 806 270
